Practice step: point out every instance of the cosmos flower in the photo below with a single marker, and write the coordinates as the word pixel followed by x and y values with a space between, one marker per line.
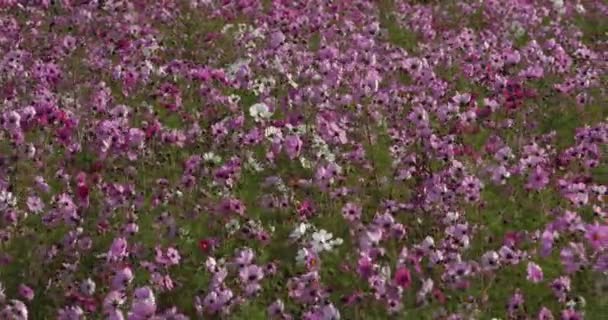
pixel 403 277
pixel 597 235
pixel 299 231
pixel 260 111
pixel 535 273
pixel 322 241
pixel 134 134
pixel 538 179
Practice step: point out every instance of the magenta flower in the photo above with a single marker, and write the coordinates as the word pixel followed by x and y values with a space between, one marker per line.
pixel 571 314
pixel 403 278
pixel 365 266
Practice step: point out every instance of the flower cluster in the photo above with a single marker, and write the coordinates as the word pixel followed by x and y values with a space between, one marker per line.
pixel 314 160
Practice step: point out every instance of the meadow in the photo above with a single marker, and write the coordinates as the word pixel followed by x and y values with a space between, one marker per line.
pixel 313 159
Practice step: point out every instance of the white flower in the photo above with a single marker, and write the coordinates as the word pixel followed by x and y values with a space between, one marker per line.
pixel 258 33
pixel 226 28
pixel 517 29
pixel 2 294
pixel 232 226
pixel 282 187
pixel 258 87
pixel 427 287
pixel 322 241
pixel 571 304
pixel 233 98
pixel 272 133
pixel 278 65
pixel 87 286
pixel 161 71
pixel 306 164
pixel 236 66
pixel 291 81
pixel 7 200
pixel 269 82
pixel 211 264
pixel 302 129
pixel 428 243
pixel 326 154
pixel 250 45
pixel 580 9
pixel 299 231
pixel 323 149
pixel 559 6
pixel 336 242
pixel 253 163
pixel 212 157
pixel 260 111
pixel 30 151
pixel 386 272
pixel 451 216
pixel 581 301
pixel 243 27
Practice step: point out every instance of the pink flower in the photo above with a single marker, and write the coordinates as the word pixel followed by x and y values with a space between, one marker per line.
pixel 169 258
pixel 535 273
pixel 173 256
pixel 545 314
pixel 26 292
pixel 293 146
pixel 597 235
pixel 122 278
pixel 277 39
pixel 251 273
pixel 118 250
pixel 515 303
pixel 538 179
pixel 142 310
pixel 351 211
pixel 34 204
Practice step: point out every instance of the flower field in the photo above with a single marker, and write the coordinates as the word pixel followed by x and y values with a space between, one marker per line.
pixel 303 159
